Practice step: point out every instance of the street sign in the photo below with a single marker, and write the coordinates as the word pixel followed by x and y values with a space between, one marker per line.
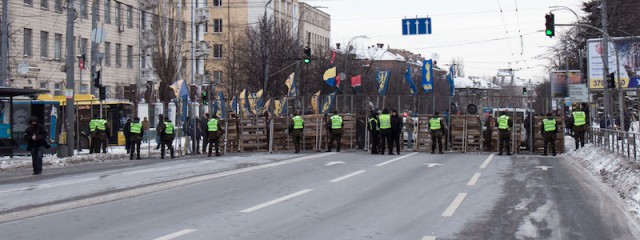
pixel 416 26
pixel 578 93
pixel 98 35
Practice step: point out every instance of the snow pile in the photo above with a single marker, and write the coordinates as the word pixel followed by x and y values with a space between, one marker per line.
pixel 60 162
pixel 615 170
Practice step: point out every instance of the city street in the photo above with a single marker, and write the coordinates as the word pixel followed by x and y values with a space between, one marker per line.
pixel 348 195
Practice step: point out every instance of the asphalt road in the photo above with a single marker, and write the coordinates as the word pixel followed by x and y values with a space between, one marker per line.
pixel 350 195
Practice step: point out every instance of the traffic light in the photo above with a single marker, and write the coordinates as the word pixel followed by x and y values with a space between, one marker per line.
pixel 524 91
pixel 103 93
pixel 96 79
pixel 611 81
pixel 307 55
pixel 204 98
pixel 550 25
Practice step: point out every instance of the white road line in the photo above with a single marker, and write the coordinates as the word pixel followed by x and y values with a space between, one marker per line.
pixel 275 201
pixel 176 234
pixel 486 162
pixel 17 189
pixel 347 176
pixel 429 238
pixel 473 179
pixel 395 159
pixel 454 205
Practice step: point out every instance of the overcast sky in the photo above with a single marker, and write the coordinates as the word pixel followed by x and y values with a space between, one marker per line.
pixel 461 28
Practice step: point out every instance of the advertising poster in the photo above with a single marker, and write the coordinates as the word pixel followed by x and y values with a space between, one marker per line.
pixel 628 56
pixel 560 85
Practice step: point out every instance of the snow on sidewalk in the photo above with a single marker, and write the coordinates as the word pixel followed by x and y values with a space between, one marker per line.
pixel 616 171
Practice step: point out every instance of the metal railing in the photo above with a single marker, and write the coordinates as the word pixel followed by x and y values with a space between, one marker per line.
pixel 619 142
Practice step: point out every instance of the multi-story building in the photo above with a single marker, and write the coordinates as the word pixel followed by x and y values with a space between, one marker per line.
pixel 38 40
pixel 232 17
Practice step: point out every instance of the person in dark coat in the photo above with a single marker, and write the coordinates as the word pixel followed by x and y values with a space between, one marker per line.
pixel 374 131
pixel 198 134
pixel 385 132
pixel 159 129
pixel 167 135
pixel 549 130
pixel 436 128
pixel 204 126
pixel 136 133
pixel 396 130
pixel 504 123
pixel 127 134
pixel 296 128
pixel 187 129
pixel 36 137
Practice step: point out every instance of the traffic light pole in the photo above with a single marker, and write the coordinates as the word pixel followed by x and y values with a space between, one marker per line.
pixel 70 86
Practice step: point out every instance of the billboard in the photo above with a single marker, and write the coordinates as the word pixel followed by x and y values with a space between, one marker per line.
pixel 560 83
pixel 628 52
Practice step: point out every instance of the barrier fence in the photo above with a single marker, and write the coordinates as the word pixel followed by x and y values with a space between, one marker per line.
pixel 619 142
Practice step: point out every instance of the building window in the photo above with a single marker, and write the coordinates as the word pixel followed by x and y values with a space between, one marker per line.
pixel 27 42
pixel 118 16
pixel 58 5
pixel 28 2
pixel 57 89
pixel 107 53
pixel 84 88
pixel 44 85
pixel 130 16
pixel 217 77
pixel 107 11
pixel 97 2
pixel 118 55
pixel 83 45
pixel 83 9
pixel 217 51
pixel 57 47
pixel 130 56
pixel 206 28
pixel 44 4
pixel 44 44
pixel 217 25
pixel 217 3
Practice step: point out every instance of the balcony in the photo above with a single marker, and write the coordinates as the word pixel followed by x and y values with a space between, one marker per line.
pixel 202 49
pixel 202 15
pixel 148 75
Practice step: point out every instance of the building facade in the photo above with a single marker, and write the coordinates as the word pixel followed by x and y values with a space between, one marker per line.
pixel 314 27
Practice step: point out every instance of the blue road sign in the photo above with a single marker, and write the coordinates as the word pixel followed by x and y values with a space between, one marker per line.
pixel 416 26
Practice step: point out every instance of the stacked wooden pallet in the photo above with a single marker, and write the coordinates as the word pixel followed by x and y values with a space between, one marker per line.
pixel 313 132
pixel 253 134
pixel 349 132
pixel 539 139
pixel 458 133
pixel 230 141
pixel 473 132
pixel 282 140
pixel 423 138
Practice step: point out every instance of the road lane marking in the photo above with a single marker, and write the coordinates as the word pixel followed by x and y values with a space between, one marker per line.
pixel 430 165
pixel 176 234
pixel 473 179
pixel 395 159
pixel 276 201
pixel 334 163
pixel 544 168
pixel 17 189
pixel 454 205
pixel 486 162
pixel 347 176
pixel 429 238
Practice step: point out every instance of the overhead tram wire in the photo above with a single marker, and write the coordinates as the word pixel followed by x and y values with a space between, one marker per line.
pixel 506 30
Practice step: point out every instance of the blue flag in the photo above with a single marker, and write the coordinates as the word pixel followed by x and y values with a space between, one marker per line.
pixel 427 75
pixel 328 102
pixel 450 77
pixel 407 76
pixel 382 77
pixel 329 76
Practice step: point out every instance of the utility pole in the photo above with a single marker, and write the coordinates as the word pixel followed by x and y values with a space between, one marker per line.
pixel 4 43
pixel 605 60
pixel 70 87
pixel 94 48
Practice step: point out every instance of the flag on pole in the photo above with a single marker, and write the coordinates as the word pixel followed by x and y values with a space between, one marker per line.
pixel 333 56
pixel 223 105
pixel 407 76
pixel 328 102
pixel 330 77
pixel 427 75
pixel 180 88
pixel 291 85
pixel 315 102
pixel 234 105
pixel 450 77
pixel 267 107
pixel 356 84
pixel 280 107
pixel 383 81
pixel 244 104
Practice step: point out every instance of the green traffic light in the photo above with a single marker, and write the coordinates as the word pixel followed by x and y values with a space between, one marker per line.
pixel 307 61
pixel 549 33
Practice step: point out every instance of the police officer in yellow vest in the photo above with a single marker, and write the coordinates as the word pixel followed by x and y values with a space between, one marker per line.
pixel 136 133
pixel 579 119
pixel 374 131
pixel 504 123
pixel 102 127
pixel 436 127
pixel 549 131
pixel 93 134
pixel 214 131
pixel 336 130
pixel 295 129
pixel 167 136
pixel 386 134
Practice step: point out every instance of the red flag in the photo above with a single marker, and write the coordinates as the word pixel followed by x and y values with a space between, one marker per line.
pixel 338 80
pixel 356 81
pixel 333 57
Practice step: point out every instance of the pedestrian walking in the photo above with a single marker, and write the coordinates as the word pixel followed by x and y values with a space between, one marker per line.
pixel 336 130
pixel 187 129
pixel 374 131
pixel 549 131
pixel 159 129
pixel 386 135
pixel 436 127
pixel 396 129
pixel 409 128
pixel 214 133
pixel 197 135
pixel 505 123
pixel 296 127
pixel 36 137
pixel 136 132
pixel 145 127
pixel 103 129
pixel 579 126
pixel 167 136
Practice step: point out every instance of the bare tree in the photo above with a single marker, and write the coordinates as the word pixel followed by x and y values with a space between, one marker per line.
pixel 458 66
pixel 168 50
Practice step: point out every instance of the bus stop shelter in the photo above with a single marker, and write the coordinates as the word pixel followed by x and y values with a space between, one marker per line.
pixel 8 141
